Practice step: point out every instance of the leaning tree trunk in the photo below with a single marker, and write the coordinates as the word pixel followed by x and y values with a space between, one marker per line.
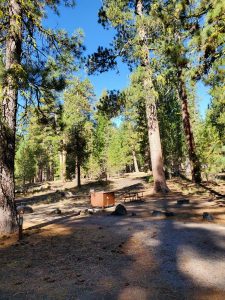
pixel 195 164
pixel 151 112
pixel 8 222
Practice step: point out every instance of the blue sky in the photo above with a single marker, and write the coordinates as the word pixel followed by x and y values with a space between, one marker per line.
pixel 85 16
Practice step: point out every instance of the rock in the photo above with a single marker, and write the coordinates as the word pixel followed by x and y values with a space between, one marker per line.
pixel 56 211
pixel 120 210
pixel 210 200
pixel 183 201
pixel 133 214
pixel 84 212
pixel 23 209
pixel 68 195
pixel 157 213
pixel 18 191
pixel 169 214
pixel 61 193
pixel 207 216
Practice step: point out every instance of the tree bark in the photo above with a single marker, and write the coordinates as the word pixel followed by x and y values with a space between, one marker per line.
pixel 48 174
pixel 40 174
pixel 62 161
pixel 78 180
pixel 136 169
pixel 51 171
pixel 8 219
pixel 155 144
pixel 151 112
pixel 195 164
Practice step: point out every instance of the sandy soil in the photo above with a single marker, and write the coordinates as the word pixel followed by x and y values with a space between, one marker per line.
pixel 136 256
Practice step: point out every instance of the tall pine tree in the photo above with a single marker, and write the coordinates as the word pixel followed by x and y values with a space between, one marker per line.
pixel 26 45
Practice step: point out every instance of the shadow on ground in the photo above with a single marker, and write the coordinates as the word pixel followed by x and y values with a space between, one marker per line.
pixel 107 257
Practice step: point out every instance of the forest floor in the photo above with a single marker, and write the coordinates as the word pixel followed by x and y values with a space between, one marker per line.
pixel 101 256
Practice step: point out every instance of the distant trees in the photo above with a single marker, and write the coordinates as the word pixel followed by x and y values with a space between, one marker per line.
pixel 25 168
pixel 41 139
pixel 59 142
pixel 102 136
pixel 77 114
pixel 210 149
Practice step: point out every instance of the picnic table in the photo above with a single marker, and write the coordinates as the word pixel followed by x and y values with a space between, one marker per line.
pixel 132 196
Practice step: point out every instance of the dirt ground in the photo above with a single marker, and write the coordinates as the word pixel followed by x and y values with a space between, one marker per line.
pixel 100 256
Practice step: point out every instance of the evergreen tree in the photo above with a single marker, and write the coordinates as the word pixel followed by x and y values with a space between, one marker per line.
pixel 119 153
pixel 25 167
pixel 103 131
pixel 169 114
pixel 134 43
pixel 136 118
pixel 176 22
pixel 1 79
pixel 210 148
pixel 207 37
pixel 44 142
pixel 28 69
pixel 78 98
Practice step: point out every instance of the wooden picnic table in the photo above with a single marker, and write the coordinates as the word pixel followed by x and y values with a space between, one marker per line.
pixel 132 196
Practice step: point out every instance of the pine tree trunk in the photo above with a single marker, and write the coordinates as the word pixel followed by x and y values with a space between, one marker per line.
pixel 60 164
pixel 47 173
pixel 155 148
pixel 40 174
pixel 151 112
pixel 51 171
pixel 62 161
pixel 78 180
pixel 136 169
pixel 195 164
pixel 8 221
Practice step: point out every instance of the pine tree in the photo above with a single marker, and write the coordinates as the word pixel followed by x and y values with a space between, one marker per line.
pixel 132 43
pixel 103 132
pixel 25 166
pixel 13 45
pixel 21 24
pixel 210 148
pixel 78 98
pixel 176 22
pixel 119 153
